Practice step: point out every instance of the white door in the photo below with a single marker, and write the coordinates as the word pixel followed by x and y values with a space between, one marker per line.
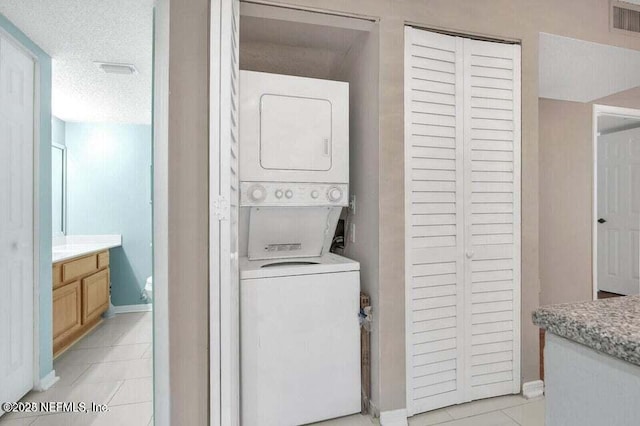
pixel 16 221
pixel 462 189
pixel 619 212
pixel 224 200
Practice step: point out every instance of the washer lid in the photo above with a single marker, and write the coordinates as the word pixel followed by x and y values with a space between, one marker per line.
pixel 325 264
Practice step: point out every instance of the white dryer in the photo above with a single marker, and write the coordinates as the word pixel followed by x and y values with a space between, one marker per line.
pixel 294 163
pixel 293 129
pixel 300 340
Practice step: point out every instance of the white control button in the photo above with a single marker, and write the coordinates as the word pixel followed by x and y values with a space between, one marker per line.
pixel 278 193
pixel 334 194
pixel 257 193
pixel 289 193
pixel 314 194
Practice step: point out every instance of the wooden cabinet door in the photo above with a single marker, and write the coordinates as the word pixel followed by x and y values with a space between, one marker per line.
pixel 95 295
pixel 67 317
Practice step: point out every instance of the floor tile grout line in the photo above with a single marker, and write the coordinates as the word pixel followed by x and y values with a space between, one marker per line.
pixel 114 394
pixel 131 403
pixel 484 412
pixel 511 417
pixel 80 375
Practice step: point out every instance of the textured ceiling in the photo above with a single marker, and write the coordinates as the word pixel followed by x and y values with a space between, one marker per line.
pixel 581 71
pixel 78 32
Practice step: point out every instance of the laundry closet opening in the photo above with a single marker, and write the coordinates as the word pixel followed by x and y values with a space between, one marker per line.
pixel 308 217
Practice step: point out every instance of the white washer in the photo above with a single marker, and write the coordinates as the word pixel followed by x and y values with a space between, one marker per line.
pixel 300 339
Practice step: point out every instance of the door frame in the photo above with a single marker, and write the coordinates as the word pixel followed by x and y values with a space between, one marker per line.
pixel 219 335
pixel 64 185
pixel 599 110
pixel 37 382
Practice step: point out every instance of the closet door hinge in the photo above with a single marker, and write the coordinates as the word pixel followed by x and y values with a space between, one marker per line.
pixel 221 208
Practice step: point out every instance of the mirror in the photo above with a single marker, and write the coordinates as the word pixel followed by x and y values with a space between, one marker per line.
pixel 58 189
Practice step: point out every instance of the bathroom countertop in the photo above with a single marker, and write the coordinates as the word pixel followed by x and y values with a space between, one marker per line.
pixel 69 247
pixel 609 325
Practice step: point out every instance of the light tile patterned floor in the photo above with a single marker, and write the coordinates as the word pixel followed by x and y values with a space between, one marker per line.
pixel 113 366
pixel 512 410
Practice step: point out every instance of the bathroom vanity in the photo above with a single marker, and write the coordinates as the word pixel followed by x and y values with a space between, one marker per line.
pixel 592 362
pixel 80 286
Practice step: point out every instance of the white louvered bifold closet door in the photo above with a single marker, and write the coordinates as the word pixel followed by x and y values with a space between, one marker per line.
pixel 224 289
pixel 462 121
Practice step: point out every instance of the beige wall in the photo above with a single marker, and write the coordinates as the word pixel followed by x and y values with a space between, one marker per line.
pixel 360 70
pixel 521 20
pixel 187 224
pixel 566 194
pixel 566 173
pixel 181 212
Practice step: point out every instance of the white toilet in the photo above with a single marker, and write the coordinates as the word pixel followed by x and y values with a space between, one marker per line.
pixel 148 289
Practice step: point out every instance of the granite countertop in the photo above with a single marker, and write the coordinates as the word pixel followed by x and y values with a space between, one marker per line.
pixel 609 325
pixel 69 247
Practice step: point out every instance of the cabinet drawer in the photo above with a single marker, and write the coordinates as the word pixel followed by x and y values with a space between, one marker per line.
pixel 103 259
pixel 57 275
pixel 95 295
pixel 79 267
pixel 67 316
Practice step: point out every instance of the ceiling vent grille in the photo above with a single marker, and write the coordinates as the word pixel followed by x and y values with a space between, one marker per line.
pixel 114 68
pixel 625 18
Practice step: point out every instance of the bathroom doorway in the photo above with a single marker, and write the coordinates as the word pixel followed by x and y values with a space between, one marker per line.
pixel 92 320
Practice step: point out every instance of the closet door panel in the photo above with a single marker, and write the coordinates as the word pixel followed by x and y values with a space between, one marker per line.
pixel 434 221
pixel 492 217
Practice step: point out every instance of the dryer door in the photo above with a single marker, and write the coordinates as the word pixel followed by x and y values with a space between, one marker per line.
pixel 295 133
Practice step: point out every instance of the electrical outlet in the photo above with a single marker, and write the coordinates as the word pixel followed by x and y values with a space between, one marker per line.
pixel 353 233
pixel 352 204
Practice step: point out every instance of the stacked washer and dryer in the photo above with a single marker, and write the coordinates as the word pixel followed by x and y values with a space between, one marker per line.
pixel 299 303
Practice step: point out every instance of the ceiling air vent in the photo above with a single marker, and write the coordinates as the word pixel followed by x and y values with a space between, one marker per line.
pixel 625 17
pixel 113 68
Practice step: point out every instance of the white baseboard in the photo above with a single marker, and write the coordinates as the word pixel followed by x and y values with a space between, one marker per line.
pixel 46 382
pixel 393 418
pixel 126 309
pixel 533 389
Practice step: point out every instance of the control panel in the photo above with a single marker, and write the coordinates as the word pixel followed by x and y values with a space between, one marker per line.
pixel 293 194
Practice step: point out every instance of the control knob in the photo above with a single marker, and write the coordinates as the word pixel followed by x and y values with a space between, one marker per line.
pixel 278 193
pixel 289 193
pixel 334 194
pixel 257 193
pixel 315 194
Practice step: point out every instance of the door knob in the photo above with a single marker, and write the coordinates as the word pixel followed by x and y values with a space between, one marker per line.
pixel 469 254
pixel 601 220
